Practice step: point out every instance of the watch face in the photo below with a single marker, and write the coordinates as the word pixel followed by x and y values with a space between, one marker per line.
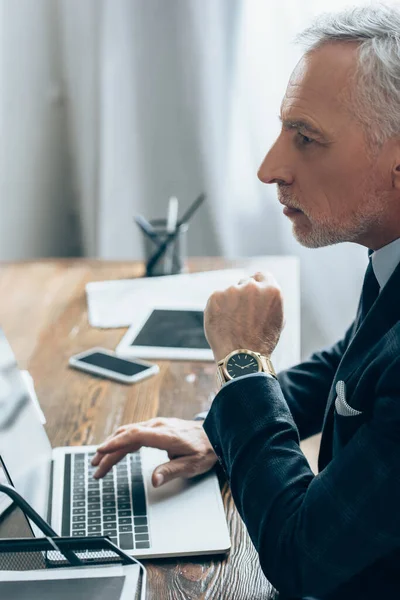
pixel 241 364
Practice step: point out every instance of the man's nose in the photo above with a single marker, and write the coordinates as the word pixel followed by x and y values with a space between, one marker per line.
pixel 275 167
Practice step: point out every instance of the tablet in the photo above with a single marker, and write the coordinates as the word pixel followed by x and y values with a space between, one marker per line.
pixel 167 333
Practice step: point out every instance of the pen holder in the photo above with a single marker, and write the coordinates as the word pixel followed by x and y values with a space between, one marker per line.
pixel 172 260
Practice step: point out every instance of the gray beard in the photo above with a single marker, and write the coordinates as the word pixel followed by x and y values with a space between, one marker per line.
pixel 326 233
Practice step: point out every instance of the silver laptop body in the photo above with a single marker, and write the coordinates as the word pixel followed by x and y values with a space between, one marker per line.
pixel 183 517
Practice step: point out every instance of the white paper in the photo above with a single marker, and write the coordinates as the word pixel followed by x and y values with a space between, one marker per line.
pixel 114 303
pixel 28 380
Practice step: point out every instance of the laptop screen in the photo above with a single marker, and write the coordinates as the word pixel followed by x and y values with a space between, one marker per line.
pixel 25 450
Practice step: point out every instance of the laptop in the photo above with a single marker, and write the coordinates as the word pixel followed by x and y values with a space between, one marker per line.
pixel 183 517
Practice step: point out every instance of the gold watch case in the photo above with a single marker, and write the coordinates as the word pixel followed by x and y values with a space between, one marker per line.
pixel 264 365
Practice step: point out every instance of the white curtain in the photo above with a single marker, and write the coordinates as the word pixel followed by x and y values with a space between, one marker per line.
pixel 174 98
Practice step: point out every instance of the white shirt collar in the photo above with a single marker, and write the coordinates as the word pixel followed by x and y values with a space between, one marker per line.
pixel 385 261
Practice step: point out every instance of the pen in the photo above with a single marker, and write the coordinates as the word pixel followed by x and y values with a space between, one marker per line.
pixel 187 215
pixel 172 219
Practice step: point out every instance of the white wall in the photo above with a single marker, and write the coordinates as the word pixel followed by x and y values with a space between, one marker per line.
pixel 36 212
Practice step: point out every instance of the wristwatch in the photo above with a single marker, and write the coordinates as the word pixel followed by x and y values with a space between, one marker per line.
pixel 243 362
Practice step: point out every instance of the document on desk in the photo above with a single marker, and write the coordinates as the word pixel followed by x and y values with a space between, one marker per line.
pixel 115 303
pixel 91 583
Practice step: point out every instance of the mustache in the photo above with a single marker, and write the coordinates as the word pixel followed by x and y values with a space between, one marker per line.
pixel 287 198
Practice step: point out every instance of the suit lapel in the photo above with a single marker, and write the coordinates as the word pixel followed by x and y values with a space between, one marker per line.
pixel 384 313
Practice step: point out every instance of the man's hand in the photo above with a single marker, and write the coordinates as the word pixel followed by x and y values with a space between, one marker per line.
pixel 186 442
pixel 247 315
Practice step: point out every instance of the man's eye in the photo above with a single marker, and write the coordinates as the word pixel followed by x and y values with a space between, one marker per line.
pixel 304 140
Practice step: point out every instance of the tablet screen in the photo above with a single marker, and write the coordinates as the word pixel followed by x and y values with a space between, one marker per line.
pixel 173 329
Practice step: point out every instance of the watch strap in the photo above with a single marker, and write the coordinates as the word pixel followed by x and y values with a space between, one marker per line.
pixel 267 365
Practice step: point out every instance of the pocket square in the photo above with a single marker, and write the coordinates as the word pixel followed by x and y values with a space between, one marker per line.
pixel 342 408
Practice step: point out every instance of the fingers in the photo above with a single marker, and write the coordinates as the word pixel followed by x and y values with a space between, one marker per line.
pixel 130 440
pixel 98 456
pixel 107 462
pixel 185 466
pixel 260 277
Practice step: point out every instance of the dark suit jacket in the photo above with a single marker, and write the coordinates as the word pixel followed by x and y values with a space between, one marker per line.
pixel 337 534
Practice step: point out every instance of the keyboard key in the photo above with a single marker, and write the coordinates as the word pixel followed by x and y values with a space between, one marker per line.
pixel 111 532
pixel 76 526
pixel 108 518
pixel 78 503
pixel 94 529
pixel 78 511
pixel 141 538
pixel 77 497
pixel 78 533
pixel 108 497
pixel 139 501
pixel 94 521
pixel 125 528
pixel 109 511
pixel 94 506
pixel 109 503
pixel 95 493
pixel 140 521
pixel 141 529
pixel 94 513
pixel 126 541
pixel 78 518
pixel 124 506
pixel 124 513
pixel 124 520
pixel 142 545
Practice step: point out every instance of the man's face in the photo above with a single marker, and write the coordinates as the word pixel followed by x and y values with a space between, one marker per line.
pixel 321 160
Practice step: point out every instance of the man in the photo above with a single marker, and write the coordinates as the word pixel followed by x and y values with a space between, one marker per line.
pixel 336 163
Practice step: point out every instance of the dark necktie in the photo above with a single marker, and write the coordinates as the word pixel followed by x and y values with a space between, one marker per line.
pixel 370 291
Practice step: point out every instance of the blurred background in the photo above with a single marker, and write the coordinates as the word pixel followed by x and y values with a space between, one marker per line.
pixel 109 107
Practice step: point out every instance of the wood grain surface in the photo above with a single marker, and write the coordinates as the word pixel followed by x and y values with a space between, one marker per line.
pixel 44 315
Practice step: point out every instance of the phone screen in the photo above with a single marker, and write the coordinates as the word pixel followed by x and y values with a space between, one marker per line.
pixel 112 363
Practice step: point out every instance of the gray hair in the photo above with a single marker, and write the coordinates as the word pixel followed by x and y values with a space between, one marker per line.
pixel 376 102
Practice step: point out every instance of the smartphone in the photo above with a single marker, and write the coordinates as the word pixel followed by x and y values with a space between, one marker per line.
pixel 106 363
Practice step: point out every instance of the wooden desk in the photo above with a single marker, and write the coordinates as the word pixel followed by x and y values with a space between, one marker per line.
pixel 43 314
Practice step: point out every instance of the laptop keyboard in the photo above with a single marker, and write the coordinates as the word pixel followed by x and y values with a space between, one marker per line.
pixel 114 506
